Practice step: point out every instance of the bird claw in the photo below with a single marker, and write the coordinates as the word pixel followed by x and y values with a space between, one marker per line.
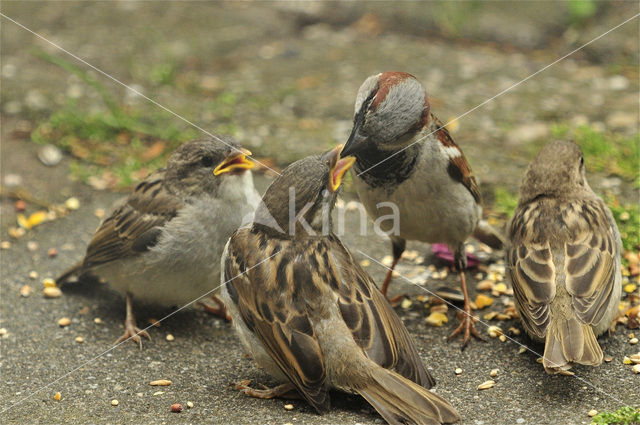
pixel 467 328
pixel 286 390
pixel 220 310
pixel 133 332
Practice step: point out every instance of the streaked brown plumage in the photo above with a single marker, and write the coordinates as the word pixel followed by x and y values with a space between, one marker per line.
pixel 312 317
pixel 564 259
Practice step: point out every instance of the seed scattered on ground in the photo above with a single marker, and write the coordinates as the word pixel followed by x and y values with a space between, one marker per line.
pixel 33 274
pixel 176 408
pixel 483 301
pixel 288 407
pixel 79 339
pixel 636 368
pixel 57 396
pixel 170 337
pixel 608 358
pixel 493 373
pixel 158 393
pixel 16 233
pixel 630 287
pixel 387 260
pixel 633 341
pixel 436 319
pixel 51 292
pixel 114 402
pixel 72 203
pixel 48 283
pixel 494 331
pixel 99 213
pixel 97 320
pixel 406 303
pixel 25 291
pixel 502 338
pixel 513 331
pixel 490 315
pixel 190 404
pixel 3 331
pixel 486 385
pixel 439 308
pixel 458 371
pixel 160 383
pixel 5 245
pixel 592 413
pixel 500 288
pixel 32 246
pixel 626 360
pixel 365 263
pixel 52 252
pixel 65 321
pixel 154 322
pixel 539 360
pixel 635 358
pixel 522 350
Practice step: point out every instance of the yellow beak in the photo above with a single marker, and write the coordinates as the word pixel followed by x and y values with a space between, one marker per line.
pixel 339 169
pixel 237 160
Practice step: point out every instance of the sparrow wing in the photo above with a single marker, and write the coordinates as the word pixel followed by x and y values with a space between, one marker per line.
pixel 590 259
pixel 531 269
pixel 135 223
pixel 458 168
pixel 274 308
pixel 375 327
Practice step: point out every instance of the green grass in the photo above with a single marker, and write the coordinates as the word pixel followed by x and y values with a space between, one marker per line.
pixel 626 415
pixel 605 152
pixel 505 202
pixel 121 143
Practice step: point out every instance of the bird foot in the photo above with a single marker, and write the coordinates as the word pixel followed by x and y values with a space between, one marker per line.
pixel 218 310
pixel 467 328
pixel 286 390
pixel 395 301
pixel 131 331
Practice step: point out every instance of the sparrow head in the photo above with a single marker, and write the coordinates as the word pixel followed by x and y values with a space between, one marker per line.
pixel 390 110
pixel 300 200
pixel 558 170
pixel 204 165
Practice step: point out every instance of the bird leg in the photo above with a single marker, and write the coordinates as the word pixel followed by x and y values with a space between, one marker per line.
pixel 467 322
pixel 397 248
pixel 287 390
pixel 220 310
pixel 131 331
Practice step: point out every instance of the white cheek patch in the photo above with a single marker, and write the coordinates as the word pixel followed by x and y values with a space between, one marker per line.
pixel 451 152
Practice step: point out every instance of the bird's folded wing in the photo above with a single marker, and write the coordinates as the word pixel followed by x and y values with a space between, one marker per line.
pixel 590 264
pixel 135 224
pixel 277 316
pixel 375 327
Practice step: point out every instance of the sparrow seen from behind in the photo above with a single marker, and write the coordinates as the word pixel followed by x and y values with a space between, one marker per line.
pixel 310 315
pixel 162 243
pixel 563 259
pixel 406 156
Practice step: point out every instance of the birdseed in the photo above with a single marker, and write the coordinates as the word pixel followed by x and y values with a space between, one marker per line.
pixel 25 291
pixel 633 341
pixel 176 408
pixel 33 274
pixel 65 321
pixel 190 404
pixel 51 292
pixel 487 384
pixel 160 383
pixel 493 373
pixel 79 339
pixel 170 337
pixel 288 407
pixel 592 413
pixel 57 396
pixel 458 371
pixel 114 402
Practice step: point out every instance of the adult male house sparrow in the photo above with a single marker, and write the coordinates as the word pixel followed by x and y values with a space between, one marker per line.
pixel 405 156
pixel 162 243
pixel 564 259
pixel 309 315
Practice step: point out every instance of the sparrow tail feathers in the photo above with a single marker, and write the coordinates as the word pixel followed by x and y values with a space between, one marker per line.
pixel 570 341
pixel 399 400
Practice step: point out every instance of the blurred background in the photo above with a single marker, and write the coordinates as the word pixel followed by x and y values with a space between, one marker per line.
pixel 282 77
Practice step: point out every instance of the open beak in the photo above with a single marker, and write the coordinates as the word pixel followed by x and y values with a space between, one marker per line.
pixel 339 168
pixel 237 160
pixel 356 143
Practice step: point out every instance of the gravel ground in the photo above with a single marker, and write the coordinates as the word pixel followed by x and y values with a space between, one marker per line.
pixel 294 70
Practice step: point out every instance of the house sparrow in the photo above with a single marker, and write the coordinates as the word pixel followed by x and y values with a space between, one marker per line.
pixel 310 315
pixel 406 157
pixel 163 242
pixel 563 259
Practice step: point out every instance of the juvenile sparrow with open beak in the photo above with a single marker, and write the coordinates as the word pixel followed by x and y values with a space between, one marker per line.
pixel 405 156
pixel 162 244
pixel 310 315
pixel 563 259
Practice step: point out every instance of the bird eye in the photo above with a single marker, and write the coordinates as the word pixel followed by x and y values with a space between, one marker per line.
pixel 581 161
pixel 206 161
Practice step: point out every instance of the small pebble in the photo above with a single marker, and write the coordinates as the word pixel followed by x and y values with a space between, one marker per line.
pixel 592 413
pixel 486 385
pixel 493 373
pixel 52 252
pixel 633 341
pixel 25 291
pixel 170 337
pixel 160 383
pixel 49 155
pixel 458 371
pixel 33 274
pixel 57 396
pixel 79 339
pixel 52 292
pixel 190 404
pixel 288 407
pixel 114 402
pixel 176 408
pixel 65 321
